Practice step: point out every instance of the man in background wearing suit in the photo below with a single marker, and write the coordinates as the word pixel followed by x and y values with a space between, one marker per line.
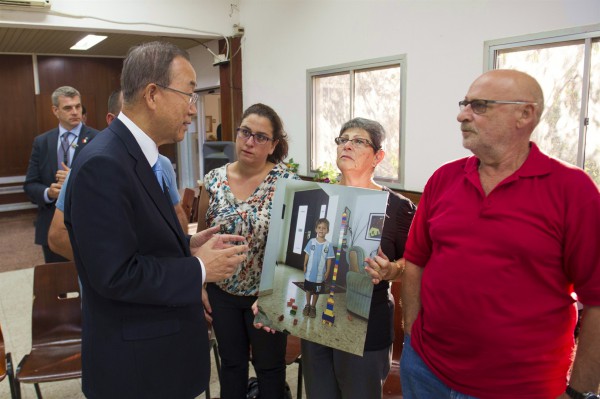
pixel 45 173
pixel 58 236
pixel 144 332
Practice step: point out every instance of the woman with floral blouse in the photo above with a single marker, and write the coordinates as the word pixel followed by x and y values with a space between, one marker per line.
pixel 238 197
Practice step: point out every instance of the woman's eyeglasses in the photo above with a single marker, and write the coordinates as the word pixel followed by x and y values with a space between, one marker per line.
pixel 356 142
pixel 259 138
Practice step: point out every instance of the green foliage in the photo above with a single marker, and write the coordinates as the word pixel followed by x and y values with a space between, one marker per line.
pixel 327 173
pixel 292 166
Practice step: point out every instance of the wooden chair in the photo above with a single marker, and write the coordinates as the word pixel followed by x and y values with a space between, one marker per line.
pixel 187 202
pixel 196 207
pixel 214 347
pixel 6 367
pixel 392 388
pixel 55 328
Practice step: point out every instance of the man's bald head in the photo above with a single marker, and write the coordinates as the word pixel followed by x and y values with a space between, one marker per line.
pixel 510 84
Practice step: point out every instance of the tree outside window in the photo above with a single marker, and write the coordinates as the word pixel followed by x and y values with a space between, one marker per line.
pixel 368 89
pixel 568 69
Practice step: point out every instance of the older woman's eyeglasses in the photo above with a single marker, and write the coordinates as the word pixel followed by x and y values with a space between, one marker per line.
pixel 193 96
pixel 259 138
pixel 356 142
pixel 480 106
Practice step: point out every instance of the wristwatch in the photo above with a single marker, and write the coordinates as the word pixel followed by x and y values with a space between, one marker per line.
pixel 578 395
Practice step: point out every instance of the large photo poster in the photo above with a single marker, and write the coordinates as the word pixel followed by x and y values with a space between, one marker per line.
pixel 313 283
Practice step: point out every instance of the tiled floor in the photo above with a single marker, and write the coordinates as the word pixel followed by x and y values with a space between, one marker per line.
pixel 15 318
pixel 347 332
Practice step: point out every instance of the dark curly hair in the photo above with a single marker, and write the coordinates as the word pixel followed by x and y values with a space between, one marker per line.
pixel 281 148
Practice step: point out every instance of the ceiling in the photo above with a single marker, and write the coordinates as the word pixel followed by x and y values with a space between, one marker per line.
pixel 58 42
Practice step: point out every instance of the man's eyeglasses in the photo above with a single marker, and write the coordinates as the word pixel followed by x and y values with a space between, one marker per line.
pixel 193 96
pixel 356 142
pixel 259 138
pixel 480 106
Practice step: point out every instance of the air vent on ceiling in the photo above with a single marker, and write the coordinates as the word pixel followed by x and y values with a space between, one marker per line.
pixel 24 4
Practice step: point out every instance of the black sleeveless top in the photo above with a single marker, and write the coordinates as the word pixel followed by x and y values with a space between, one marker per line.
pixel 399 214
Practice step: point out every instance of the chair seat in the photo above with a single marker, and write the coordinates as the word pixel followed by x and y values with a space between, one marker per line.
pixel 51 363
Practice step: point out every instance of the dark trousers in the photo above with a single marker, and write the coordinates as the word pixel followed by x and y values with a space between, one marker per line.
pixel 233 324
pixel 52 257
pixel 334 374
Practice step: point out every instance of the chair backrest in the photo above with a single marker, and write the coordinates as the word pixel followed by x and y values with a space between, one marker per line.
pixel 56 312
pixel 398 329
pixel 292 350
pixel 187 202
pixel 195 205
pixel 196 214
pixel 355 256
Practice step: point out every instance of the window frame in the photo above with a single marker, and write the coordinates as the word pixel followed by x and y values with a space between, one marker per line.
pixel 351 67
pixel 586 34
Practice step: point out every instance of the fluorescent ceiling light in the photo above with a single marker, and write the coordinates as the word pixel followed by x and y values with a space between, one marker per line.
pixel 88 42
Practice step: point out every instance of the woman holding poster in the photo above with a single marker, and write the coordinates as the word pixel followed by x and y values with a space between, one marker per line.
pixel 238 197
pixel 334 374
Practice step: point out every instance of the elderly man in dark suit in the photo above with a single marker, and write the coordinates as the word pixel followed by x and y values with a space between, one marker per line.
pixel 144 331
pixel 51 150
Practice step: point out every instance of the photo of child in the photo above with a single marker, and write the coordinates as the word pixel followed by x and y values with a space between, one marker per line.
pixel 316 246
pixel 317 266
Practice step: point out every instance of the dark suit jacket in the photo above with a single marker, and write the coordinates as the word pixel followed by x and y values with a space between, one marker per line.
pixel 144 332
pixel 41 173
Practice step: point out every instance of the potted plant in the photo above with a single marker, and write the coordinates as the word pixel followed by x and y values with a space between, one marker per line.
pixel 327 173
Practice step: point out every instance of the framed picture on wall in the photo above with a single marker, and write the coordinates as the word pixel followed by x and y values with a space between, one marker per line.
pixel 208 123
pixel 375 226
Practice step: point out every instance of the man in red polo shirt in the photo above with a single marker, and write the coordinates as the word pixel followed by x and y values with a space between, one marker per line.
pixel 499 243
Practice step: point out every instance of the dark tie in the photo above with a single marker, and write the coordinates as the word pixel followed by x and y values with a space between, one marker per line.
pixel 158 171
pixel 63 150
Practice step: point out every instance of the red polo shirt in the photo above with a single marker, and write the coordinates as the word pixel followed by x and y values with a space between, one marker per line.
pixel 497 314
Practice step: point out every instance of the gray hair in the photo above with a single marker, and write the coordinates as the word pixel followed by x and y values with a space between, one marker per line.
pixel 375 130
pixel 148 63
pixel 64 91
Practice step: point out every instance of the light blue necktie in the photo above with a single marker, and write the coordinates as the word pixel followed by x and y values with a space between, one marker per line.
pixel 158 171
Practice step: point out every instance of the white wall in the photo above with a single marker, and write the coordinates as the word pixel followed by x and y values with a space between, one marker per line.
pixel 189 18
pixel 207 75
pixel 443 41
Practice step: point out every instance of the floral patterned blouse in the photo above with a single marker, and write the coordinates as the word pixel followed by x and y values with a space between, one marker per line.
pixel 248 218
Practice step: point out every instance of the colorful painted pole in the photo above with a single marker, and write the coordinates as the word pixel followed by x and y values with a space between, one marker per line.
pixel 328 317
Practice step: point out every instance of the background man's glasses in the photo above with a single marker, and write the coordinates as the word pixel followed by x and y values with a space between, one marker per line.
pixel 357 142
pixel 480 106
pixel 193 96
pixel 259 138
